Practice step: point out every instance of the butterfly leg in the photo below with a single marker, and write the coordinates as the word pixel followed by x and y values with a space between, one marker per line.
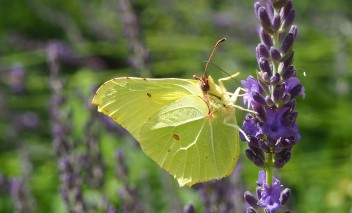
pixel 221 80
pixel 233 99
pixel 236 127
pixel 233 96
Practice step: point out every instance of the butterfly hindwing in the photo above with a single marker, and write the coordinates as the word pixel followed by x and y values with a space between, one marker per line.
pixel 192 147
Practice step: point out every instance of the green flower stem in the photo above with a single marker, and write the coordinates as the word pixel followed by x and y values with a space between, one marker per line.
pixel 269 165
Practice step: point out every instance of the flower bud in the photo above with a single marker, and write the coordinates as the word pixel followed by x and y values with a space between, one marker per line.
pixel 254 158
pixel 275 79
pixel 288 20
pixel 279 146
pixel 292 106
pixel 278 92
pixel 265 38
pixel 275 54
pixel 257 151
pixel 296 90
pixel 262 51
pixel 293 31
pixel 262 82
pixel 261 115
pixel 284 196
pixel 265 66
pixel 264 146
pixel 276 22
pixel 289 72
pixel 270 8
pixel 259 98
pixel 248 117
pixel 290 119
pixel 294 115
pixel 281 160
pixel 250 199
pixel 286 9
pixel 288 60
pixel 265 77
pixel 286 46
pixel 269 101
pixel 256 8
pixel 253 141
pixel 286 98
pixel 265 20
pixel 258 192
pixel 288 111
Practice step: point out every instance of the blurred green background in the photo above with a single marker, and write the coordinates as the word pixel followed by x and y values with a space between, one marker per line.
pixel 93 41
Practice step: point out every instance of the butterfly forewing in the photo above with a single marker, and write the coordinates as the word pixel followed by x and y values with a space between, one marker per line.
pixel 131 101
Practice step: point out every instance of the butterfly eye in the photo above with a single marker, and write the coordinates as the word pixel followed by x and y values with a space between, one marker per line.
pixel 205 86
pixel 203 82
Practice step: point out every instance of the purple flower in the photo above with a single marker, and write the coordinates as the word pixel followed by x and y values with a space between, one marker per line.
pixel 278 124
pixel 269 195
pixel 249 127
pixel 292 83
pixel 271 198
pixel 274 127
pixel 250 85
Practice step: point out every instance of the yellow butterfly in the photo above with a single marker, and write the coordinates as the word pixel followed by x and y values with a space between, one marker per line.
pixel 187 126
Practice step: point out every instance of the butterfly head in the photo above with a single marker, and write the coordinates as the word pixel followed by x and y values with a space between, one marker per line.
pixel 203 83
pixel 206 82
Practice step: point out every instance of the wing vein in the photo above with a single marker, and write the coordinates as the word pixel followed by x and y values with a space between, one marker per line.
pixel 213 147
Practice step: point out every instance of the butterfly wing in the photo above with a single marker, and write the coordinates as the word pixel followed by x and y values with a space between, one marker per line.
pixel 189 145
pixel 132 101
pixel 170 120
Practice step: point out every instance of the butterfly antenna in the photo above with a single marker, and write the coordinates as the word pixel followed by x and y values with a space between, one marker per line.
pixel 211 55
pixel 211 63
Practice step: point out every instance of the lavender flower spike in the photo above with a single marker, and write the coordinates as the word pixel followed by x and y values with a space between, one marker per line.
pixel 271 198
pixel 272 130
pixel 273 94
pixel 270 195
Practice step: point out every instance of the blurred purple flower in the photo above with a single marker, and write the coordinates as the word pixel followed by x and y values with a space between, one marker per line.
pixel 30 120
pixel 16 79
